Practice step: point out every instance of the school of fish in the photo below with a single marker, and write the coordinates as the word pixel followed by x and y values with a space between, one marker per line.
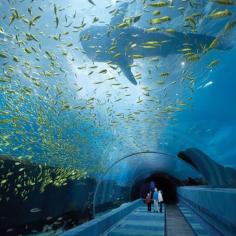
pixel 58 108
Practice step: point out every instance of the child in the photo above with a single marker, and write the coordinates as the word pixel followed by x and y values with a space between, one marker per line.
pixel 148 201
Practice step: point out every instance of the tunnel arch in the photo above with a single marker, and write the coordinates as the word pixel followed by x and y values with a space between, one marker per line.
pixel 145 163
pixel 163 181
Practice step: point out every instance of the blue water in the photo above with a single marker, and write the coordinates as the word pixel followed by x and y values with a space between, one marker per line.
pixel 60 107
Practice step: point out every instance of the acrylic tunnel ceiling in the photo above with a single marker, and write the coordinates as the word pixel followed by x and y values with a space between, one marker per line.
pixel 85 83
pixel 140 166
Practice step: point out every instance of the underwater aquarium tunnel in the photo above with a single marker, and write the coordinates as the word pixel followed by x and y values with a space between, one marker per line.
pixel 162 181
pixel 102 101
pixel 141 172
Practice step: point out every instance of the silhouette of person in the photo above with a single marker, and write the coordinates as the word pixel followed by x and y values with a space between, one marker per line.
pixel 148 201
pixel 155 199
pixel 160 200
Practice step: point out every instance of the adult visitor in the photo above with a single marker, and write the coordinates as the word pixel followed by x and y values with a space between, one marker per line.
pixel 155 199
pixel 160 200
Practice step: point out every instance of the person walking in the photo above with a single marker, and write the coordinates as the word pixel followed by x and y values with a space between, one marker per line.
pixel 148 201
pixel 160 200
pixel 155 199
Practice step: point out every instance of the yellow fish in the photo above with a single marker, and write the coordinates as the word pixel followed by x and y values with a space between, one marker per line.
pixel 159 4
pixel 160 20
pixel 220 14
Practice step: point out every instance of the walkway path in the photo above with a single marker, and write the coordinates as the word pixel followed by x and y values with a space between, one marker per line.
pixel 176 224
pixel 140 223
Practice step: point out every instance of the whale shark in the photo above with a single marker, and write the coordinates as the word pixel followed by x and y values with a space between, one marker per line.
pixel 121 45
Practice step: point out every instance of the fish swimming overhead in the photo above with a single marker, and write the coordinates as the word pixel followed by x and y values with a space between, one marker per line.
pixel 120 42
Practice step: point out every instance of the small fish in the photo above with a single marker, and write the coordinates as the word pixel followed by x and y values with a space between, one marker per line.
pixel 159 4
pixel 137 56
pixel 164 74
pixel 220 14
pixel 111 78
pixel 229 26
pixel 55 9
pixel 57 21
pixel 160 20
pixel 118 100
pixel 136 18
pixel 155 59
pixel 171 31
pixel 3 181
pixel 27 50
pixel 151 30
pixel 3 55
pixel 182 103
pixel 57 37
pixel 65 107
pixel 32 22
pixel 225 2
pixel 35 210
pixel 139 100
pixel 138 76
pixel 95 19
pixel 79 89
pixel 214 43
pixel 193 57
pixel 191 23
pixel 156 13
pixel 148 47
pixel 160 82
pixel 213 63
pixel 30 37
pixel 15 15
pixel 112 48
pixel 186 50
pixel 36 18
pixel 103 71
pixel 133 45
pixel 99 82
pixel 181 9
pixel 151 43
pixel 123 25
pixel 90 1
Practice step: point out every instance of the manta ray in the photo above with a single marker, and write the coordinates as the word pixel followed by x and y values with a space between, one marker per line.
pixel 115 45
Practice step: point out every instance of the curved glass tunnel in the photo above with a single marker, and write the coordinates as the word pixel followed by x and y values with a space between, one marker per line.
pixel 99 100
pixel 118 186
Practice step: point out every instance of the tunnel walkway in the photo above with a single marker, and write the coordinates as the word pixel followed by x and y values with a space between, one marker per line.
pixel 176 223
pixel 176 220
pixel 133 219
pixel 140 223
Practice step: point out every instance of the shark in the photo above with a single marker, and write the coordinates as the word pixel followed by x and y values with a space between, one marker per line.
pixel 121 45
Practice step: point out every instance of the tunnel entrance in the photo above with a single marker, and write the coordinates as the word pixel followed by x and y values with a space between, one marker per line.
pixel 161 181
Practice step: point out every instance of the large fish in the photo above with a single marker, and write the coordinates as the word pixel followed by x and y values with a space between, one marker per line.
pixel 111 43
